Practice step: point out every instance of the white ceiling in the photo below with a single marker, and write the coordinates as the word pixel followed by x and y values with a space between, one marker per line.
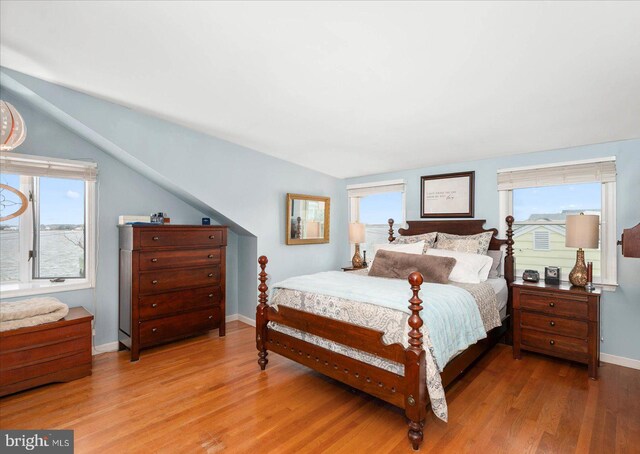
pixel 350 88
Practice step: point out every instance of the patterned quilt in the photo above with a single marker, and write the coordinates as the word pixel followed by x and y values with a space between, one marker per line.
pixel 391 321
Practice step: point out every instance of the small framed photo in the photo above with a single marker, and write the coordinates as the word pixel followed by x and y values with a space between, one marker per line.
pixel 448 195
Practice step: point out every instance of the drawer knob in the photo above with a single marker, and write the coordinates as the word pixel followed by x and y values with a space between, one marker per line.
pixel 154 260
pixel 210 274
pixel 211 237
pixel 210 317
pixel 552 342
pixel 154 282
pixel 210 256
pixel 210 295
pixel 154 330
pixel 552 304
pixel 552 323
pixel 155 238
pixel 154 305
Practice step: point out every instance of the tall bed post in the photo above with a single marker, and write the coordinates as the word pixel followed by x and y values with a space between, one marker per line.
pixel 261 314
pixel 415 367
pixel 391 237
pixel 509 262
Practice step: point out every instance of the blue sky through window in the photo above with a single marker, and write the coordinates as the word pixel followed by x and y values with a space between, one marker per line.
pixel 378 208
pixel 555 199
pixel 61 200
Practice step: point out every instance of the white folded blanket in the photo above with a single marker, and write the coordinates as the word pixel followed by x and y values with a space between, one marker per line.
pixel 31 312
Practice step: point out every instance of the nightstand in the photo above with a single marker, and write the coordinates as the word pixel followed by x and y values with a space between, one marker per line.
pixel 351 268
pixel 557 320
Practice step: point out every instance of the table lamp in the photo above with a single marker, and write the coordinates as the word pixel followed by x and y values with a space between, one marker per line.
pixel 356 236
pixel 583 231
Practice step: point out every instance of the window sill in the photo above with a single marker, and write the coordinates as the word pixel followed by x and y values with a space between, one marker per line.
pixel 41 288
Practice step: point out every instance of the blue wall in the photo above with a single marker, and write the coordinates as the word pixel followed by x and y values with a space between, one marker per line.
pixel 620 317
pixel 240 187
pixel 120 191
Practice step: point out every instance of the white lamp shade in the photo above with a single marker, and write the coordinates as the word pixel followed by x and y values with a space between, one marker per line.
pixel 356 233
pixel 12 128
pixel 583 231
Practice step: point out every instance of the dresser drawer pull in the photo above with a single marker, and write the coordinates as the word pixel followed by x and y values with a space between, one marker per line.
pixel 155 238
pixel 210 256
pixel 552 342
pixel 153 330
pixel 210 295
pixel 552 304
pixel 210 317
pixel 154 260
pixel 552 323
pixel 211 237
pixel 210 274
pixel 154 282
pixel 154 305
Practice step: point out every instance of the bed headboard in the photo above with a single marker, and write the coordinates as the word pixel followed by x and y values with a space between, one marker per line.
pixel 465 227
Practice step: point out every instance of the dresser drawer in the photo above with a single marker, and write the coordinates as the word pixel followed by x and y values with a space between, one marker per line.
pixel 166 280
pixel 168 328
pixel 169 303
pixel 553 305
pixel 555 344
pixel 153 260
pixel 554 325
pixel 182 238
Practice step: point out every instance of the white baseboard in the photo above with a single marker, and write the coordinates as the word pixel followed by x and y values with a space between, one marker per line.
pixel 105 348
pixel 231 318
pixel 620 361
pixel 247 320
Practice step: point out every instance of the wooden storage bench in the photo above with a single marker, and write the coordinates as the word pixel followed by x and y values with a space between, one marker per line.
pixel 52 352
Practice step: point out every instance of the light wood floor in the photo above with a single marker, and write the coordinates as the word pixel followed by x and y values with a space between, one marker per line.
pixel 207 395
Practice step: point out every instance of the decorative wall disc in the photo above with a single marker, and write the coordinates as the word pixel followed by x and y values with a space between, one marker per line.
pixel 12 202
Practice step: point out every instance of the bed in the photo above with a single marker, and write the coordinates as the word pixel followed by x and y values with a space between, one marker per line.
pixel 399 372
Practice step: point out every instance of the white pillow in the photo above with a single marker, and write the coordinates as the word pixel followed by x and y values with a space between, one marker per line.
pixel 469 268
pixel 409 248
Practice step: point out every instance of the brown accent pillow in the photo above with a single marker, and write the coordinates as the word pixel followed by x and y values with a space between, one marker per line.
pixel 400 265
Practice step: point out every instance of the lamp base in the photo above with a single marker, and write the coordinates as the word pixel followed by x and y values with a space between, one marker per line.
pixel 357 261
pixel 578 275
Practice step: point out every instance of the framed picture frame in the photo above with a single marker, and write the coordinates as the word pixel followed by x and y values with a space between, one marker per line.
pixel 448 195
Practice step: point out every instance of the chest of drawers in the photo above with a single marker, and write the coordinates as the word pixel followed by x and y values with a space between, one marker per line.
pixel 561 321
pixel 172 283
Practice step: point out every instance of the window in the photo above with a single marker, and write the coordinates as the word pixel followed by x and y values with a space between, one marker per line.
pixel 540 198
pixel 373 204
pixel 50 246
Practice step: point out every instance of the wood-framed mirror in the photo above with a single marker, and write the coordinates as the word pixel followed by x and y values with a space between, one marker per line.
pixel 307 219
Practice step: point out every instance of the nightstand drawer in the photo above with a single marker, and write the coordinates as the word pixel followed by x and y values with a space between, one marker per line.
pixel 554 325
pixel 554 305
pixel 556 345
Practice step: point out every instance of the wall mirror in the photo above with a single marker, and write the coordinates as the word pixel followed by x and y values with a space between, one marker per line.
pixel 307 219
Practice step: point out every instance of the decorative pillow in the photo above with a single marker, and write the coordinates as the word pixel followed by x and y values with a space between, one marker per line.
pixel 496 270
pixel 400 265
pixel 428 238
pixel 473 244
pixel 410 248
pixel 469 268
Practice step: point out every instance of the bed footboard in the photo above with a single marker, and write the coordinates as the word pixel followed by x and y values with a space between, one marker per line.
pixel 408 391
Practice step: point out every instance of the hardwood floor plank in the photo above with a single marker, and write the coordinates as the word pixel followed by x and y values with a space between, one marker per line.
pixel 207 395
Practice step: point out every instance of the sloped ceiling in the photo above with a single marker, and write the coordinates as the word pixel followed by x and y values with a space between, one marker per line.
pixel 350 88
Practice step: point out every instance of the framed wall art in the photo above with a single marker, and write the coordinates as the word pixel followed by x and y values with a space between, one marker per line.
pixel 448 195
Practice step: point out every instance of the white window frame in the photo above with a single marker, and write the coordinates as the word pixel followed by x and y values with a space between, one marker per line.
pixel 372 188
pixel 608 244
pixel 14 163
